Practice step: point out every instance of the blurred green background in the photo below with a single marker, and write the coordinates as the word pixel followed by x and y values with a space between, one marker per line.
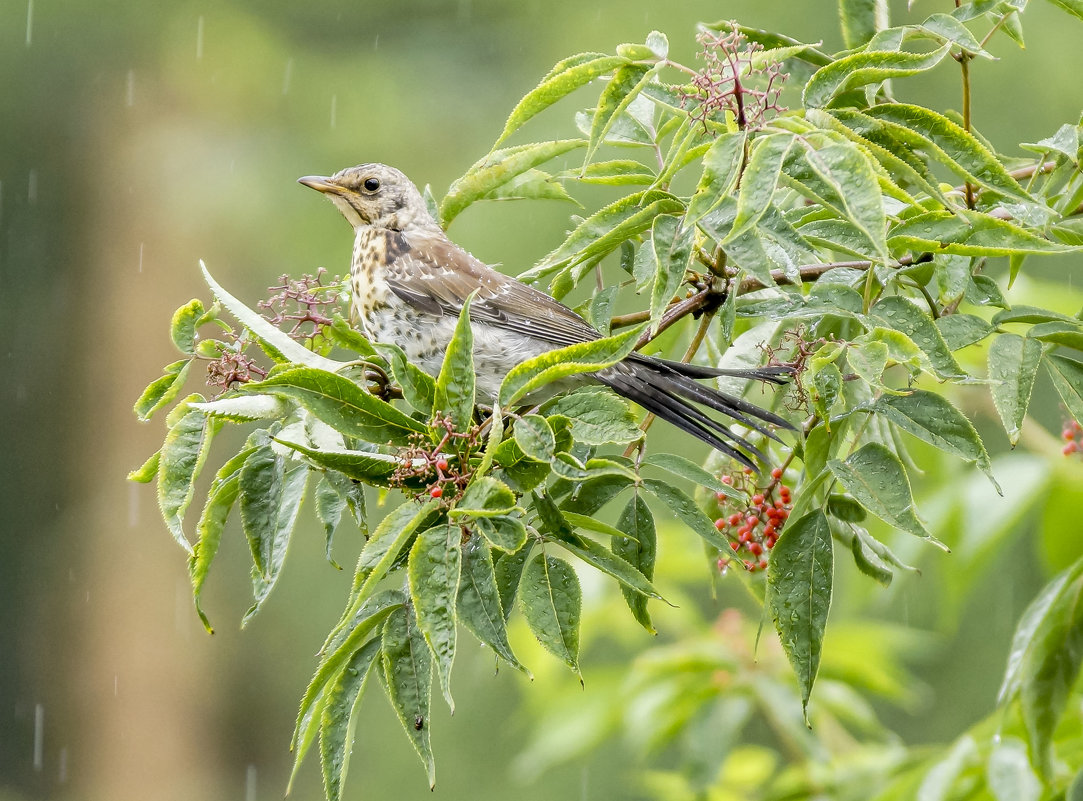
pixel 138 139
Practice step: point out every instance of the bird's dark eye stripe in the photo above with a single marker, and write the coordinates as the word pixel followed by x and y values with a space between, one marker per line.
pixel 372 184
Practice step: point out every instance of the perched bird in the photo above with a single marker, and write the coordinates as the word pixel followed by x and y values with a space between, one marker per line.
pixel 408 283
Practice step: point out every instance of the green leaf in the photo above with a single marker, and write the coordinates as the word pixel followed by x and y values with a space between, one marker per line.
pixel 932 418
pixel 338 720
pixel 220 499
pixel 864 68
pixel 346 336
pixel 799 595
pixel 372 468
pixel 1013 366
pixel 625 85
pixel 386 544
pixel 244 409
pixel 901 315
pixel 876 478
pixel 686 509
pixel 162 391
pixel 639 548
pixel 434 569
pixel 949 144
pixel 496 170
pixel 967 233
pixel 948 29
pixel 721 165
pixel 685 468
pixel 1009 774
pixel 418 387
pixel 504 532
pixel 598 416
pixel 960 330
pixel 1073 7
pixel 330 504
pixel 618 172
pixel 185 321
pixel 479 604
pixel 341 404
pixel 455 384
pixel 565 77
pixel 1067 375
pixel 270 500
pixel 847 170
pixel 484 497
pixel 182 457
pixel 583 357
pixel 759 180
pixel 407 664
pixel 317 694
pixel 278 342
pixel 673 256
pixel 861 20
pixel 605 230
pixel 531 185
pixel 868 360
pixel 535 437
pixel 551 602
pixel 148 471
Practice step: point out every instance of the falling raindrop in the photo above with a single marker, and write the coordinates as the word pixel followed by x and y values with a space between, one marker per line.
pixel 376 43
pixel 288 76
pixel 130 95
pixel 32 187
pixel 116 685
pixel 29 21
pixel 250 784
pixel 140 257
pixel 62 768
pixel 334 109
pixel 39 737
pixel 199 39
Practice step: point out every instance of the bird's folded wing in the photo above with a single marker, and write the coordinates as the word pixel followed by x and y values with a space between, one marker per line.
pixel 436 276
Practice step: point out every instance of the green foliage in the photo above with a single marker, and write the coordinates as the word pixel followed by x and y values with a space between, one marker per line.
pixel 821 233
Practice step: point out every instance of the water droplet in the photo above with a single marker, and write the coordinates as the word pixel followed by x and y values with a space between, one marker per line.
pixel 29 21
pixel 39 737
pixel 140 257
pixel 199 39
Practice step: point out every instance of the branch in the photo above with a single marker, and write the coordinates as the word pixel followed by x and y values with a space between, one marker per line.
pixel 811 272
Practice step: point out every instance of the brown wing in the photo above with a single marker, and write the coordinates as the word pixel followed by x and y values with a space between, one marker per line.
pixel 436 276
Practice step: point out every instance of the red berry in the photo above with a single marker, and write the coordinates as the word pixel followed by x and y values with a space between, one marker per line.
pixel 776 474
pixel 752 520
pixel 436 492
pixel 770 542
pixel 749 471
pixel 1069 449
pixel 727 480
pixel 779 504
pixel 734 518
pixel 769 531
pixel 1076 425
pixel 720 496
pixel 748 565
pixel 755 548
pixel 735 545
pixel 763 564
pixel 720 523
pixel 744 535
pixel 757 499
pixel 441 464
pixel 1068 433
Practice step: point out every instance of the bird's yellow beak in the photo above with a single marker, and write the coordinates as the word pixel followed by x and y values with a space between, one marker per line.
pixel 321 184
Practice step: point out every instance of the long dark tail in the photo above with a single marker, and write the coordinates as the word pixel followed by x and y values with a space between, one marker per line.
pixel 667 390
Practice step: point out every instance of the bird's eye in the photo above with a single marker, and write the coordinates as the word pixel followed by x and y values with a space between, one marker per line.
pixel 372 184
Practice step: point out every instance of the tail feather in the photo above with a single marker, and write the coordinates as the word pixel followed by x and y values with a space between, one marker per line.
pixel 667 390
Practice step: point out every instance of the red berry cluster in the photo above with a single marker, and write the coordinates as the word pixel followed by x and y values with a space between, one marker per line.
pixel 754 526
pixel 1073 438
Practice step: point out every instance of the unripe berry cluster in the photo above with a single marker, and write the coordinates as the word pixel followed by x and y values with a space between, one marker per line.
pixel 1073 438
pixel 752 524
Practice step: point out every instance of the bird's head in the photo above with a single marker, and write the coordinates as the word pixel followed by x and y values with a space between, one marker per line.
pixel 373 194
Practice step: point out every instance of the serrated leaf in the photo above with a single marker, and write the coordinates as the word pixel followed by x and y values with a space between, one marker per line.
pixel 1013 366
pixel 583 357
pixel 687 511
pixel 847 170
pixel 505 532
pixel 967 233
pixel 372 468
pixel 960 330
pixel 799 594
pixel 183 455
pixel 618 172
pixel 932 418
pixel 495 170
pixel 1067 375
pixel 685 468
pixel 673 256
pixel 625 85
pixel 146 472
pixel 901 315
pixel 597 415
pixel 484 497
pixel 875 477
pixel 948 29
pixel 183 327
pixel 161 391
pixel 1073 7
pixel 563 79
pixel 338 719
pixel 864 68
pixel 341 404
pixel 330 504
pixel 277 341
pixel 434 572
pixel 346 336
pixel 455 385
pixel 244 409
pixel 418 387
pixel 479 604
pixel 861 20
pixel 639 548
pixel 759 180
pixel 386 544
pixel 531 185
pixel 868 360
pixel 721 165
pixel 535 437
pixel 551 602
pixel 407 664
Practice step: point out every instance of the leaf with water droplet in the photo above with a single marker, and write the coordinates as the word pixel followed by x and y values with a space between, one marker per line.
pixel 1013 366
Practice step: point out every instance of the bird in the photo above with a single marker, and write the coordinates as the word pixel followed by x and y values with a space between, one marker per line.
pixel 409 282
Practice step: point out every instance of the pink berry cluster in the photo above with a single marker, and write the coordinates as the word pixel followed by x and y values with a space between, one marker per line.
pixel 753 526
pixel 1073 438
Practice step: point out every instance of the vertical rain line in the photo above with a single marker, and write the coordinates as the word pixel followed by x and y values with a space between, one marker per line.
pixel 199 38
pixel 29 22
pixel 39 737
